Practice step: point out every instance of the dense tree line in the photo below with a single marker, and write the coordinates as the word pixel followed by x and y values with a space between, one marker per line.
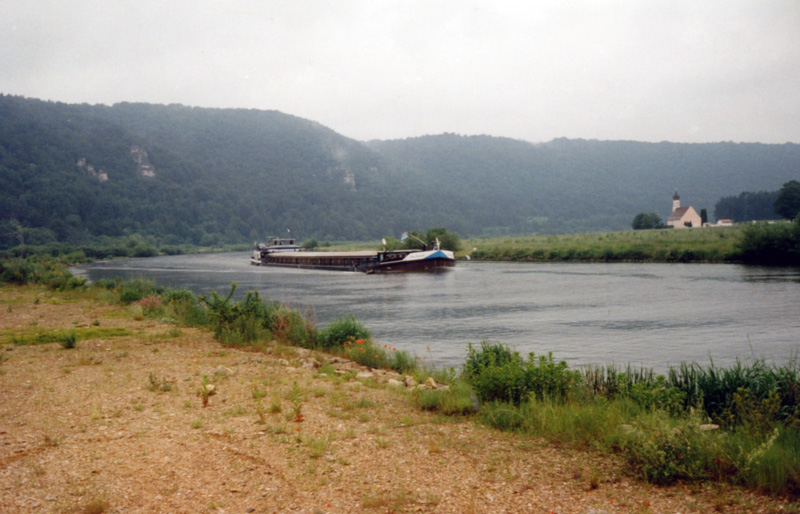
pixel 763 205
pixel 747 206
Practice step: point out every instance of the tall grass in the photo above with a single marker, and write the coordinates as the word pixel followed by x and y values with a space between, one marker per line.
pixel 660 424
pixel 742 392
pixel 709 244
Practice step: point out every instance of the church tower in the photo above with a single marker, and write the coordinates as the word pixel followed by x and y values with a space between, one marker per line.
pixel 676 201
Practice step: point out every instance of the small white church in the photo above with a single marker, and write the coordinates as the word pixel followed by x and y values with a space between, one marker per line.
pixel 683 217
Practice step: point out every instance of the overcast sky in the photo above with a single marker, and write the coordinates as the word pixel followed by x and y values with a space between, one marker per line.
pixel 646 70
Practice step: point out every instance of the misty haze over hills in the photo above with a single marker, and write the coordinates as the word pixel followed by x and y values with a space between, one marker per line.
pixel 74 173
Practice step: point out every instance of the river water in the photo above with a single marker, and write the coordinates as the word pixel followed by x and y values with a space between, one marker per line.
pixel 652 315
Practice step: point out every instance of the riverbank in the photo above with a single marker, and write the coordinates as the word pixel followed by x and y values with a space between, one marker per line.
pixel 117 425
pixel 771 243
pixel 708 244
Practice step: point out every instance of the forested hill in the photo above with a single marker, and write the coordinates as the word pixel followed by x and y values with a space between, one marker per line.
pixel 207 176
pixel 585 185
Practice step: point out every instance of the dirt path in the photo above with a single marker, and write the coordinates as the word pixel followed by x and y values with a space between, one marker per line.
pixel 116 425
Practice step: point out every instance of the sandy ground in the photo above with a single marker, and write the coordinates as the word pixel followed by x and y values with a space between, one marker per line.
pixel 117 425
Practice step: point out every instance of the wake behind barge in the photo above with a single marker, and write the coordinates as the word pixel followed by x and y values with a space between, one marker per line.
pixel 286 253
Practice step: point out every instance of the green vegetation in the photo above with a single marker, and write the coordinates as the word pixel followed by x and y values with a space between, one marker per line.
pixel 45 270
pixel 135 179
pixel 340 331
pixel 776 244
pixel 787 204
pixel 253 320
pixel 68 340
pixel 647 221
pixel 419 239
pixel 747 206
pixel 709 244
pixel 660 424
pixel 64 337
pixel 498 374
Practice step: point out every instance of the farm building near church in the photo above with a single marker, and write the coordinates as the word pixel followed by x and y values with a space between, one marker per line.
pixel 683 217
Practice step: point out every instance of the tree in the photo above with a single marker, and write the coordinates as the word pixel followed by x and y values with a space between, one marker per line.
pixel 447 240
pixel 788 202
pixel 647 220
pixel 703 217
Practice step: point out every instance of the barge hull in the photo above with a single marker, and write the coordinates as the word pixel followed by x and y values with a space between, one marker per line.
pixel 394 261
pixel 438 264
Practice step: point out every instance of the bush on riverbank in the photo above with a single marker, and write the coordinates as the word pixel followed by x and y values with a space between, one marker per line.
pixel 660 424
pixel 771 244
pixel 497 373
pixel 45 270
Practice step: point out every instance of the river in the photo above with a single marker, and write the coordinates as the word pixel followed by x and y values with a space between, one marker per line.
pixel 652 315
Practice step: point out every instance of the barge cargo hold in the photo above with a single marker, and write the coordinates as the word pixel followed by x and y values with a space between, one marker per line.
pixel 283 252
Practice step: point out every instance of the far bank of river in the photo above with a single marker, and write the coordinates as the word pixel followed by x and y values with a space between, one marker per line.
pixel 654 315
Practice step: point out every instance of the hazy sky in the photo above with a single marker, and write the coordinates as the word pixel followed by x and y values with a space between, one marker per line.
pixel 647 70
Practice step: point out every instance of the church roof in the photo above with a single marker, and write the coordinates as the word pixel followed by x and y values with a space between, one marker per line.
pixel 678 213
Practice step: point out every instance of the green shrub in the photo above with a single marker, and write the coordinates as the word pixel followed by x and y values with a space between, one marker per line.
pixel 498 374
pixel 68 340
pixel 184 306
pixel 290 326
pixel 32 270
pixel 134 290
pixel 490 355
pixel 658 395
pixel 341 330
pixel 771 244
pixel 665 452
pixel 252 319
pixel 65 281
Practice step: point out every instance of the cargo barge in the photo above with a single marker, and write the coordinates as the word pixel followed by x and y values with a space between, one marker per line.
pixel 286 253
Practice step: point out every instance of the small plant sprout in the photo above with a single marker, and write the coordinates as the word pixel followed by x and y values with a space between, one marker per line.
pixel 258 393
pixel 161 385
pixel 206 390
pixel 296 395
pixel 261 412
